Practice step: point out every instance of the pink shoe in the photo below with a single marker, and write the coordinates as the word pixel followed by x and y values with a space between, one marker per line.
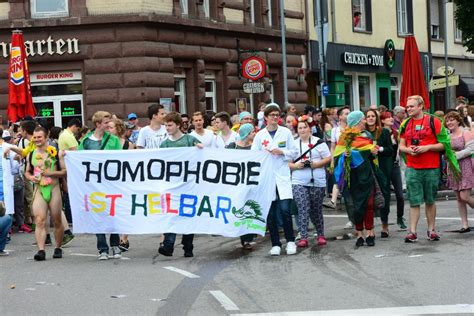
pixel 322 241
pixel 302 243
pixel 24 229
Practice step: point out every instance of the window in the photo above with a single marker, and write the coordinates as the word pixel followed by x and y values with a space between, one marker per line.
pixel 184 6
pixel 362 15
pixel 269 12
pixel 252 11
pixel 49 8
pixel 364 92
pixel 207 12
pixel 457 31
pixel 405 17
pixel 180 94
pixel 437 18
pixel 348 92
pixel 211 103
pixel 394 91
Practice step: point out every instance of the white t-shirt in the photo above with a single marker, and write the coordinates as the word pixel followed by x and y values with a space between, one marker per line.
pixel 209 139
pixel 232 138
pixel 335 134
pixel 304 176
pixel 261 119
pixel 148 138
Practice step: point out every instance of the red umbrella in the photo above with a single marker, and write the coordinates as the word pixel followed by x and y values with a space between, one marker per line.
pixel 413 81
pixel 20 102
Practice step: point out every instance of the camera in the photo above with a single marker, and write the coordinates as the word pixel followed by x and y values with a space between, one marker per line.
pixel 307 164
pixel 415 142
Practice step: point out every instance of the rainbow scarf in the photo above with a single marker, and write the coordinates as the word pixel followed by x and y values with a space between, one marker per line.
pixel 353 143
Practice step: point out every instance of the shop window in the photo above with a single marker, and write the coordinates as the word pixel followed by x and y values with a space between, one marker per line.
pixel 437 19
pixel 364 92
pixel 362 15
pixel 211 102
pixel 180 94
pixel 49 8
pixel 405 17
pixel 184 7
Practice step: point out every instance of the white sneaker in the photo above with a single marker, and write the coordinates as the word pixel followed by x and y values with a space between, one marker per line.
pixel 103 256
pixel 291 248
pixel 117 253
pixel 275 251
pixel 349 225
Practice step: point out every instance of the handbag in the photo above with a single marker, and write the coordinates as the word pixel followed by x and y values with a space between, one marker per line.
pixel 379 199
pixel 18 182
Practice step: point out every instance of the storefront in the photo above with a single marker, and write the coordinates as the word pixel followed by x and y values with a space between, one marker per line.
pixel 361 76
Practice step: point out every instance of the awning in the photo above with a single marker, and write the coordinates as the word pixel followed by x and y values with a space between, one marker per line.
pixel 466 88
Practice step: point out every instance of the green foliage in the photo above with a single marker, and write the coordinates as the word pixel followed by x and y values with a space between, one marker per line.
pixel 463 14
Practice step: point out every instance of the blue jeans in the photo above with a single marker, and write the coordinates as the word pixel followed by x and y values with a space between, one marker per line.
pixel 102 242
pixel 186 241
pixel 282 208
pixel 5 224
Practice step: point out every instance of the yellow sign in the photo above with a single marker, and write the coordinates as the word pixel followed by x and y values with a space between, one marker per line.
pixel 441 83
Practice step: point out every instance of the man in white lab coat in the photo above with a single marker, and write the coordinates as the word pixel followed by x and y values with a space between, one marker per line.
pixel 279 142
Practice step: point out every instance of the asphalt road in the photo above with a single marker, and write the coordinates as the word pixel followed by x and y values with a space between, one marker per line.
pixel 222 279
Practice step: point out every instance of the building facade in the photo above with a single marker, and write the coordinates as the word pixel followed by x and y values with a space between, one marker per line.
pixel 364 55
pixel 122 55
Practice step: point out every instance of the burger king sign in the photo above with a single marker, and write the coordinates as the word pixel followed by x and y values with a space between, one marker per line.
pixel 253 68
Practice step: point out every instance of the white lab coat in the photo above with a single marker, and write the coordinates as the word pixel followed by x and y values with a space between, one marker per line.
pixel 8 180
pixel 283 140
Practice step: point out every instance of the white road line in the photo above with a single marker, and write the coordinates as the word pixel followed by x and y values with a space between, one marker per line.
pixel 183 272
pixel 224 300
pixel 82 254
pixel 335 216
pixel 408 310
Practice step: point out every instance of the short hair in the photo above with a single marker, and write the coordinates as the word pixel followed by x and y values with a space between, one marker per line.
pixel 271 108
pixel 28 126
pixel 419 99
pixel 197 113
pixel 398 109
pixel 174 117
pixel 54 132
pixel 119 126
pixel 41 129
pixel 224 117
pixel 184 115
pixel 99 116
pixel 235 119
pixel 339 112
pixel 454 115
pixel 154 109
pixel 74 122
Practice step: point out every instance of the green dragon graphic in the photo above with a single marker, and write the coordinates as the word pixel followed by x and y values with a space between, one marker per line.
pixel 250 210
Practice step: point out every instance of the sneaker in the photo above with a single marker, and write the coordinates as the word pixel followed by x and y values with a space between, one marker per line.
pixel 370 241
pixel 165 252
pixel 302 243
pixel 40 255
pixel 401 223
pixel 411 237
pixel 322 241
pixel 349 225
pixel 291 248
pixel 124 246
pixel 432 235
pixel 298 237
pixel 103 256
pixel 247 246
pixel 188 254
pixel 360 242
pixel 330 204
pixel 25 229
pixel 67 240
pixel 116 253
pixel 58 253
pixel 275 251
pixel 4 253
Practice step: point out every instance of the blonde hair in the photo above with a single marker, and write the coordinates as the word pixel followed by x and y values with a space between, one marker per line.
pixel 119 127
pixel 99 116
pixel 418 99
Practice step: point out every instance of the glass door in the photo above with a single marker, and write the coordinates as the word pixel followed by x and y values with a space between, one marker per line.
pixel 58 110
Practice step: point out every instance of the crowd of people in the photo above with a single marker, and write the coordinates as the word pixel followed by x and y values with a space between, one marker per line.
pixel 343 155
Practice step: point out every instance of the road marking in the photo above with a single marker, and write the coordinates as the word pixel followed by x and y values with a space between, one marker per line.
pixel 183 272
pixel 224 300
pixel 335 216
pixel 407 310
pixel 83 254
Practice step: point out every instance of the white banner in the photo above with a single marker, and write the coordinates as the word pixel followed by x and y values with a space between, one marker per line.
pixel 176 190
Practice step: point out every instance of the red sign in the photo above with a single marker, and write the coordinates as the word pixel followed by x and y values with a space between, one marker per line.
pixel 253 68
pixel 20 102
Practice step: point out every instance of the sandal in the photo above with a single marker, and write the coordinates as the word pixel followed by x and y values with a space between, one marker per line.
pixel 465 230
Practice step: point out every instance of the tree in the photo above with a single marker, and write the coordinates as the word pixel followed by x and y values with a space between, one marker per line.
pixel 464 21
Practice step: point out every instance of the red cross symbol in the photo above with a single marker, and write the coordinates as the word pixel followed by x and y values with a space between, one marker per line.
pixel 265 143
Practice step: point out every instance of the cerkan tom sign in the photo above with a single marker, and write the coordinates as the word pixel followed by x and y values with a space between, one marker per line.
pixel 253 68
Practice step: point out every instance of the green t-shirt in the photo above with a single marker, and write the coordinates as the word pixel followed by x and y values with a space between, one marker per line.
pixel 184 141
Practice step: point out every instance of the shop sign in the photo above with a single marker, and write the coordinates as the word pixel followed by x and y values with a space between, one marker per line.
pixel 441 82
pixel 254 87
pixel 363 59
pixel 389 54
pixel 48 46
pixel 46 112
pixel 56 76
pixel 441 71
pixel 253 68
pixel 69 111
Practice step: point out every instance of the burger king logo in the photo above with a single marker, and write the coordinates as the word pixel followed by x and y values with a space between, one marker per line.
pixel 253 68
pixel 17 76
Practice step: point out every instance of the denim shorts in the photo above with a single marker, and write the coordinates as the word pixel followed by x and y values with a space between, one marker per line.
pixel 422 185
